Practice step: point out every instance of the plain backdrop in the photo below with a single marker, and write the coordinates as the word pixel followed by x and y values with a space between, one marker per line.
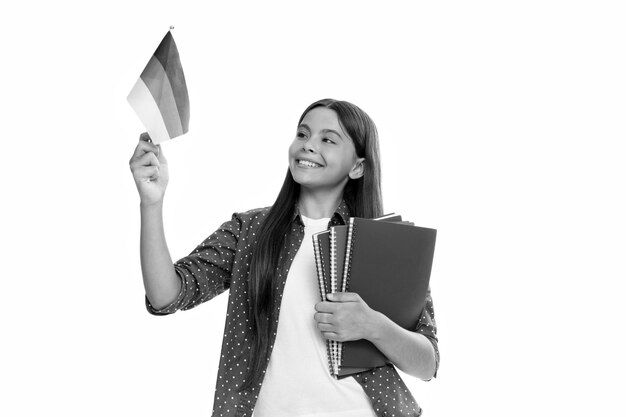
pixel 501 125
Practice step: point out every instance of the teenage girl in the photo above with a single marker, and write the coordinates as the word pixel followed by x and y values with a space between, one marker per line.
pixel 274 360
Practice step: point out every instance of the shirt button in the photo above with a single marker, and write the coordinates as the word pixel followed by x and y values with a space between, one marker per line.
pixel 365 379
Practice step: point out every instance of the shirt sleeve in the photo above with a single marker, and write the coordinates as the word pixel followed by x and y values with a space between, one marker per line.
pixel 428 327
pixel 206 271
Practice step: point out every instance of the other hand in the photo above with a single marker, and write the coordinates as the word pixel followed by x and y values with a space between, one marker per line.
pixel 345 317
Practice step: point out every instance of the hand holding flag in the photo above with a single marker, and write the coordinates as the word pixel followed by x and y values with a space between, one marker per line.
pixel 160 96
pixel 150 171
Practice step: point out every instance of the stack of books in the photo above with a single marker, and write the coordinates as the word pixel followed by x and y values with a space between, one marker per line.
pixel 387 262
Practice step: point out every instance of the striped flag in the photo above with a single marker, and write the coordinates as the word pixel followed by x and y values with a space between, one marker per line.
pixel 160 96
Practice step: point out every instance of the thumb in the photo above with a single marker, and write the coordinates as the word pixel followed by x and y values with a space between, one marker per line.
pixel 160 155
pixel 145 137
pixel 343 297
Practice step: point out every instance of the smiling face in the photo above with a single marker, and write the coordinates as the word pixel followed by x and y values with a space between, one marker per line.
pixel 322 156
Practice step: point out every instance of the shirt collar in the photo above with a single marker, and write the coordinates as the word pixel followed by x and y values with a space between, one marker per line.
pixel 340 216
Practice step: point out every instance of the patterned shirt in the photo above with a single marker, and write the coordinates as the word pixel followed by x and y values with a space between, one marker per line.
pixel 221 263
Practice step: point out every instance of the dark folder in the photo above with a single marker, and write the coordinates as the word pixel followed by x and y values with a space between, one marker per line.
pixel 388 264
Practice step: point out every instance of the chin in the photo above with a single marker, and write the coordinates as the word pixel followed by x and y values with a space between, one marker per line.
pixel 302 180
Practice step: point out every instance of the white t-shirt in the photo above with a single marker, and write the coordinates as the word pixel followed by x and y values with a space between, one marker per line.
pixel 297 382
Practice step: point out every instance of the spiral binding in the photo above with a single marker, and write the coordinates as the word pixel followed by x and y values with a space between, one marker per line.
pixel 348 260
pixel 320 279
pixel 318 266
pixel 344 287
pixel 333 260
pixel 333 285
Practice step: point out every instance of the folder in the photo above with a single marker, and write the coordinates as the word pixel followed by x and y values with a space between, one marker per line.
pixel 389 266
pixel 387 262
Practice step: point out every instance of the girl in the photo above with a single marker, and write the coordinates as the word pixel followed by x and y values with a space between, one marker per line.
pixel 265 258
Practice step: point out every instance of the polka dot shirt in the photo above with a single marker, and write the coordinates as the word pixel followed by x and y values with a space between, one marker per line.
pixel 221 263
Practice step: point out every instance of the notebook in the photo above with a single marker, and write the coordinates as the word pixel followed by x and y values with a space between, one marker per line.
pixel 329 249
pixel 388 264
pixel 354 257
pixel 321 250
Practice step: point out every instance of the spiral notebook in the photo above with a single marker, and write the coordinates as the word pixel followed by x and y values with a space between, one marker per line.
pixel 358 256
pixel 329 248
pixel 388 265
pixel 321 250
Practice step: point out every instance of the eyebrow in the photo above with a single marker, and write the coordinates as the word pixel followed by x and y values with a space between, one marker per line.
pixel 332 131
pixel 305 126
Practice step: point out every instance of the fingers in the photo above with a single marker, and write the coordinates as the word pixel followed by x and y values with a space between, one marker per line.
pixel 326 328
pixel 146 167
pixel 145 146
pixel 147 174
pixel 332 336
pixel 325 307
pixel 326 324
pixel 325 318
pixel 147 159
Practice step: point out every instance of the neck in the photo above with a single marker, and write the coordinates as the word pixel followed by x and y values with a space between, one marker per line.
pixel 318 205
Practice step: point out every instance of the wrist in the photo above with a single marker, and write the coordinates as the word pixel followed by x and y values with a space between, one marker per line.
pixel 151 207
pixel 377 328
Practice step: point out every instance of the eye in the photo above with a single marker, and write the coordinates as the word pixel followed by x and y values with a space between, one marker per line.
pixel 301 135
pixel 327 139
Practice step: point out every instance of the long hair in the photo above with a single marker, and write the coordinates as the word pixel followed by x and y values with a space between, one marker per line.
pixel 363 198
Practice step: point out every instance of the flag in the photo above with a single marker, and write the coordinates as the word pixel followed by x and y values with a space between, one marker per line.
pixel 160 96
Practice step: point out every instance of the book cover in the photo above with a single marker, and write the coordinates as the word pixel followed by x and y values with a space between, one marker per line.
pixel 388 264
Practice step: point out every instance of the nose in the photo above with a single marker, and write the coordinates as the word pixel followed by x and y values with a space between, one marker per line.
pixel 310 145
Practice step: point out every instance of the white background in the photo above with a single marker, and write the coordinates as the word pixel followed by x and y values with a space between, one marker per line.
pixel 501 125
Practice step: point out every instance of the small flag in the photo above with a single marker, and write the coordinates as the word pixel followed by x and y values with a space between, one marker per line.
pixel 160 96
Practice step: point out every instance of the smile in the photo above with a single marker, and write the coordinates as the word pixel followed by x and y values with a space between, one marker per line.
pixel 306 163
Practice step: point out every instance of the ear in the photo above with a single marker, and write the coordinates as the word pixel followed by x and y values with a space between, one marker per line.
pixel 358 169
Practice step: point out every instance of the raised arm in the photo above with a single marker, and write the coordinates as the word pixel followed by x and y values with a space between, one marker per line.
pixel 150 172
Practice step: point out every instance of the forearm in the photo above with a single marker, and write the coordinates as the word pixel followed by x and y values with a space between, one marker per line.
pixel 411 352
pixel 160 281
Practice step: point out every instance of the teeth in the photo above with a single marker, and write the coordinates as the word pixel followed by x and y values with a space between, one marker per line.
pixel 308 163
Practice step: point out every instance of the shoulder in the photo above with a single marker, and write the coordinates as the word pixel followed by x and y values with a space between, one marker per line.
pixel 253 217
pixel 242 224
pixel 255 211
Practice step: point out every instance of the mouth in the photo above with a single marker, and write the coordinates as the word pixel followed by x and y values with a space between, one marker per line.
pixel 307 163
